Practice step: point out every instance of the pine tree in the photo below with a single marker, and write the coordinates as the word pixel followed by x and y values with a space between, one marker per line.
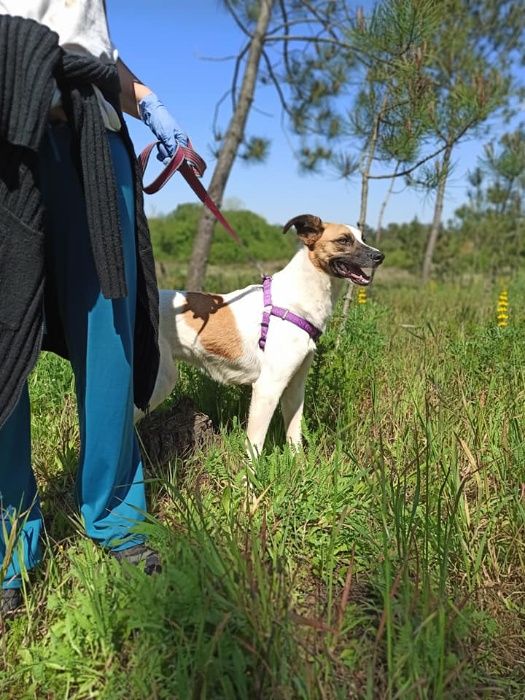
pixel 471 73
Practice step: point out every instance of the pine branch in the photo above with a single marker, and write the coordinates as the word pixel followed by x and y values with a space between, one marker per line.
pixel 448 144
pixel 276 84
pixel 236 72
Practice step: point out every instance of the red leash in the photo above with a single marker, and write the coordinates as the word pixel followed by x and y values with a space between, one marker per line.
pixel 191 167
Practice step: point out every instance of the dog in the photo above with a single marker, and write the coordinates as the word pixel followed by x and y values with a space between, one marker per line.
pixel 265 334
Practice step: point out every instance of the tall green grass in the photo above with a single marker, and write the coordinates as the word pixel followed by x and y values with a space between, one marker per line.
pixel 385 560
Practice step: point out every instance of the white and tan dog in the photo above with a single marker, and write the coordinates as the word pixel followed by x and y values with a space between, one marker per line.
pixel 220 333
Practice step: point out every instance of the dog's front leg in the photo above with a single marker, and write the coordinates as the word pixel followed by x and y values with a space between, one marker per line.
pixel 276 372
pixel 292 402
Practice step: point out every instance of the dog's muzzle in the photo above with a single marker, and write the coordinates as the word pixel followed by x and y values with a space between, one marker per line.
pixel 351 268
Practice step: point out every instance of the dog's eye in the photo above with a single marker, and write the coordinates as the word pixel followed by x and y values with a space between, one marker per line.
pixel 345 240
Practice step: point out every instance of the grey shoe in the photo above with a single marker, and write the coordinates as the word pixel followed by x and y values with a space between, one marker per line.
pixel 140 554
pixel 10 601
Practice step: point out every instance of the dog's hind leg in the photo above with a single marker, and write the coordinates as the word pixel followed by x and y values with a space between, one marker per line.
pixel 292 402
pixel 166 379
pixel 263 404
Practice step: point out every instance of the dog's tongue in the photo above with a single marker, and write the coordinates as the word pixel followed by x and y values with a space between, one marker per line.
pixel 358 276
pixel 355 274
pixel 344 268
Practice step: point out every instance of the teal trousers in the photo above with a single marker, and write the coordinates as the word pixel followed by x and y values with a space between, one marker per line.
pixel 99 337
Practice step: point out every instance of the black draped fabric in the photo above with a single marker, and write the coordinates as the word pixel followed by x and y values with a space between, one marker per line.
pixel 30 63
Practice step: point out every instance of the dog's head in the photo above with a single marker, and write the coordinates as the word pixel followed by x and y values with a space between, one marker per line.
pixel 337 249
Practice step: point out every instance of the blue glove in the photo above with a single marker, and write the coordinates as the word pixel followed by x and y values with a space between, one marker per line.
pixel 168 132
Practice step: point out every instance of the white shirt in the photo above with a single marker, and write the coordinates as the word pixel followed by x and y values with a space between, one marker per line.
pixel 82 28
pixel 81 25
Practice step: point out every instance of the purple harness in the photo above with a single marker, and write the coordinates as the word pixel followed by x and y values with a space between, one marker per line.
pixel 285 314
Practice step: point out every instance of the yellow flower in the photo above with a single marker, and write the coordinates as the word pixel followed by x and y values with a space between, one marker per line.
pixel 502 309
pixel 361 295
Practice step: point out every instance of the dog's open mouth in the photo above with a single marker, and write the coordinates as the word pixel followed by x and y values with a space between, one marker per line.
pixel 342 267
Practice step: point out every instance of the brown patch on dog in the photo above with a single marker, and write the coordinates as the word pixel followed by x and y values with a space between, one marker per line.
pixel 214 322
pixel 337 239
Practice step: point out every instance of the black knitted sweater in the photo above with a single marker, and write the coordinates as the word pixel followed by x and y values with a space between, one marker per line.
pixel 30 63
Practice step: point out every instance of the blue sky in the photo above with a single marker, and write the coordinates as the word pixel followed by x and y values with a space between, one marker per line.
pixel 177 48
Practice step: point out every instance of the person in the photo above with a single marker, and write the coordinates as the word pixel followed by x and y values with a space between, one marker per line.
pixel 76 269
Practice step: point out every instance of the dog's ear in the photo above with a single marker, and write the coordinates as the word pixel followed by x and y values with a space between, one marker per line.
pixel 309 228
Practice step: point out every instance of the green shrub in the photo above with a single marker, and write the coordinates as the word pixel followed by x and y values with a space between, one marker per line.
pixel 173 236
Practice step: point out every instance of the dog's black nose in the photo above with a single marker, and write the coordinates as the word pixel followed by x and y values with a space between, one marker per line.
pixel 378 257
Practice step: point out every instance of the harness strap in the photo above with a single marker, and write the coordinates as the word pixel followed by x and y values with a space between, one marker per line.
pixel 285 314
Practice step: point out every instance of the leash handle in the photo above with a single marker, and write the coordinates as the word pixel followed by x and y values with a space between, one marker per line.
pixel 191 166
pixel 182 154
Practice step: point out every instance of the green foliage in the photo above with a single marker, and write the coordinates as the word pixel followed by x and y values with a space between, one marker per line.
pixel 349 355
pixel 490 227
pixel 481 239
pixel 172 237
pixel 487 235
pixel 387 52
pixel 403 245
pixel 505 166
pixel 256 149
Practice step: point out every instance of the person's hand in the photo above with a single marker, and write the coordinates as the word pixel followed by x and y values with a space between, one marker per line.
pixel 168 132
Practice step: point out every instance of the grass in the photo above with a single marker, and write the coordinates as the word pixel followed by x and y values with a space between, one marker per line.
pixel 385 561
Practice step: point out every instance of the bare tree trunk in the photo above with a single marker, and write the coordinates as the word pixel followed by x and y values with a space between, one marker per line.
pixel 438 212
pixel 230 146
pixel 365 176
pixel 384 205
